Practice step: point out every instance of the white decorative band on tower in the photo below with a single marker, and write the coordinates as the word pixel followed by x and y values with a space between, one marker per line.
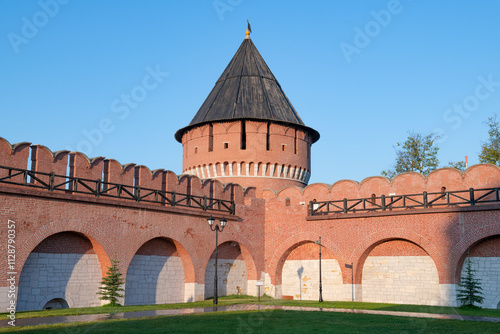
pixel 243 169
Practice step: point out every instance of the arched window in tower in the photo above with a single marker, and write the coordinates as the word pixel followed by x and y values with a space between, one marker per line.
pixel 243 144
pixel 267 136
pixel 308 146
pixel 295 143
pixel 210 137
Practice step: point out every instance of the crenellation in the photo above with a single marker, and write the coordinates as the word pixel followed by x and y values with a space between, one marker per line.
pixel 184 184
pixel 218 190
pixel 45 161
pixel 450 178
pixel 407 183
pixel 115 173
pixel 486 175
pixel 15 156
pixel 197 187
pixel 171 180
pixel 145 178
pixel 374 185
pixel 250 192
pixel 83 167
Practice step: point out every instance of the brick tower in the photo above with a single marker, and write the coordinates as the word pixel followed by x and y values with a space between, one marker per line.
pixel 247 131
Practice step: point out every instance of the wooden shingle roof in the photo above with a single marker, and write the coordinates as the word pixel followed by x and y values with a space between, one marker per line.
pixel 247 89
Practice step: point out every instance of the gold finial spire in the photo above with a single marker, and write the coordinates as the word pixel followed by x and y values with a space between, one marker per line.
pixel 249 30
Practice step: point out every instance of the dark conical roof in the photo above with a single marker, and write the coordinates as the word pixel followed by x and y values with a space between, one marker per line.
pixel 247 89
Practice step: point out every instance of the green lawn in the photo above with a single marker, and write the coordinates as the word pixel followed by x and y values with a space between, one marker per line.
pixel 231 300
pixel 389 307
pixel 270 322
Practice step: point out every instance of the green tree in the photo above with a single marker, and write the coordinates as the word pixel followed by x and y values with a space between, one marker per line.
pixel 417 154
pixel 112 284
pixel 470 287
pixel 460 165
pixel 490 150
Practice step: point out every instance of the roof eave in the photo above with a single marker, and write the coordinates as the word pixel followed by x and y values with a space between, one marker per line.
pixel 313 133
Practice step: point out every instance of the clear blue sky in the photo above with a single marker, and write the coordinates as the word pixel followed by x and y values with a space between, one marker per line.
pixel 362 73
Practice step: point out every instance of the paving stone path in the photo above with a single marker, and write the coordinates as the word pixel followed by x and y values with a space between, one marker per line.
pixel 240 307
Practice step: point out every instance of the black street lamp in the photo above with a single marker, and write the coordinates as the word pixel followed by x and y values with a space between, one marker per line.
pixel 216 228
pixel 318 242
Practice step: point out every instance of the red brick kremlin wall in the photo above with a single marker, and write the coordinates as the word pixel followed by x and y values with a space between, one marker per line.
pixel 269 225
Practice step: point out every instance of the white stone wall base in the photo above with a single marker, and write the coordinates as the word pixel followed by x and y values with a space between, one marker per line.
pixel 231 274
pixel 252 288
pixel 154 279
pixel 193 292
pixel 278 291
pixel 5 300
pixel 488 272
pixel 401 280
pixel 448 295
pixel 199 292
pixel 73 277
pixel 269 288
pixel 300 279
pixel 349 292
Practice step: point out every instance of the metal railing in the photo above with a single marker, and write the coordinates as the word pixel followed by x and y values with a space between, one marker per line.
pixel 425 200
pixel 98 188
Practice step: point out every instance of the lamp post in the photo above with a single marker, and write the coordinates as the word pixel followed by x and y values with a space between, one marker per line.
pixel 318 242
pixel 216 228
